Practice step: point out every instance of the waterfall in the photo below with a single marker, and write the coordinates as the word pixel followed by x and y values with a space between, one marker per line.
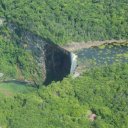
pixel 73 63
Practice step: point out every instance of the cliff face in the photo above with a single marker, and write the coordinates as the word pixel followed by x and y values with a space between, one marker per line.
pixel 53 61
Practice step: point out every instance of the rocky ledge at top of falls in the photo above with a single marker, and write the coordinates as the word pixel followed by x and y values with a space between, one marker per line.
pixel 75 46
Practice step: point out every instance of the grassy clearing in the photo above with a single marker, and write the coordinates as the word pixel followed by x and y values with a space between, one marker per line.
pixel 9 89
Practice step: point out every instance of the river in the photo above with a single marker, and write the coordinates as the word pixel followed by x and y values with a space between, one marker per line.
pixel 102 55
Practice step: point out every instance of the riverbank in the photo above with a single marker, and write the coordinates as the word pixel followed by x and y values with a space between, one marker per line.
pixel 75 46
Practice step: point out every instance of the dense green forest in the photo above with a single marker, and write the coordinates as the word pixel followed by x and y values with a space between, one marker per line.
pixel 67 104
pixel 63 21
pixel 102 91
pixel 10 55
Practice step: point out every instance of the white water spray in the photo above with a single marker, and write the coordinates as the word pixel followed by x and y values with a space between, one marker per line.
pixel 73 63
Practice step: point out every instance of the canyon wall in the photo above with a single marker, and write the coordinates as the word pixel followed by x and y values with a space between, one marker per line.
pixel 53 61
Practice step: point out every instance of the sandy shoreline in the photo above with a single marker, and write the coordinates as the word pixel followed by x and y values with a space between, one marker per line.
pixel 75 46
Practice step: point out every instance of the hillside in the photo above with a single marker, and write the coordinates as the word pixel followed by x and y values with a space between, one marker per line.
pixel 69 104
pixel 38 86
pixel 69 20
pixel 59 22
pixel 26 56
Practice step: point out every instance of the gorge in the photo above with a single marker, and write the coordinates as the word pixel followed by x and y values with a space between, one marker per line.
pixel 52 62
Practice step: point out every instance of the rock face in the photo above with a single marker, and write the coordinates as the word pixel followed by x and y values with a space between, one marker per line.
pixel 58 63
pixel 54 61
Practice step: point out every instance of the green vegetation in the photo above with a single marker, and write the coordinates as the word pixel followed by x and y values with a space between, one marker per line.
pixel 69 20
pixel 101 47
pixel 10 88
pixel 61 22
pixel 67 104
pixel 18 63
pixel 123 55
pixel 15 62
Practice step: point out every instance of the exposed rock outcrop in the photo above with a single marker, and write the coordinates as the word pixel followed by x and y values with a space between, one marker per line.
pixel 54 62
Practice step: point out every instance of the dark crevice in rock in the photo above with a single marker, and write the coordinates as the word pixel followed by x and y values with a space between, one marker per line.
pixel 58 63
